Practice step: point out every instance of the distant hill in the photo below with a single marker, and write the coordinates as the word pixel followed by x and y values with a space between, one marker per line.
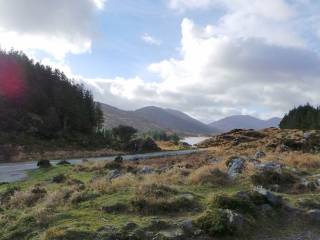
pixel 174 120
pixel 154 118
pixel 114 117
pixel 244 122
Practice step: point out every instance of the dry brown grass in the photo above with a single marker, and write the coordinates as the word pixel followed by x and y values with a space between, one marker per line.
pixel 302 160
pixel 209 174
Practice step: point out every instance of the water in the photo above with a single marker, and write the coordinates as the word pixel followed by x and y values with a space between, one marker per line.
pixel 194 140
pixel 12 172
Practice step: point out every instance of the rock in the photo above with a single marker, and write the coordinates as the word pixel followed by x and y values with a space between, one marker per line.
pixel 273 199
pixel 236 166
pixel 130 226
pixel 235 220
pixel 63 162
pixel 146 170
pixel 259 154
pixel 187 196
pixel 270 166
pixel 213 160
pixel 113 174
pixel 174 233
pixel 314 215
pixel 284 148
pixel 44 164
pixel 306 135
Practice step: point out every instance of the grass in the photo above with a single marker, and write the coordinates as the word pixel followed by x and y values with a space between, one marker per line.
pixel 80 200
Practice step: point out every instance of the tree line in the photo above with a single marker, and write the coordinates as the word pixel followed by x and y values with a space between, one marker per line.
pixel 304 117
pixel 41 101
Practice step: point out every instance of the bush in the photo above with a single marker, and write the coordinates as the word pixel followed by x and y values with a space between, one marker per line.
pixel 268 178
pixel 211 176
pixel 44 164
pixel 158 199
pixel 237 203
pixel 215 222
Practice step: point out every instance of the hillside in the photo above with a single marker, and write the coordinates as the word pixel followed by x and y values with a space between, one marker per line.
pixel 154 118
pixel 248 185
pixel 244 122
pixel 114 117
pixel 174 120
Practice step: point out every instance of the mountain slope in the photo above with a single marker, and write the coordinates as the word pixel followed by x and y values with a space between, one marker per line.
pixel 174 120
pixel 114 117
pixel 244 122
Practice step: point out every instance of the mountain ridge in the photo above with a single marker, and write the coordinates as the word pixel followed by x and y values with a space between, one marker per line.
pixel 244 122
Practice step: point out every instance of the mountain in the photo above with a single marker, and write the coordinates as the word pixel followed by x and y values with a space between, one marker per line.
pixel 174 120
pixel 244 122
pixel 154 118
pixel 114 117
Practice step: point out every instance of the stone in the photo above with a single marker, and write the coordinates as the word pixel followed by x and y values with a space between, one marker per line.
pixel 273 199
pixel 314 215
pixel 236 166
pixel 174 233
pixel 146 170
pixel 113 174
pixel 259 154
pixel 270 166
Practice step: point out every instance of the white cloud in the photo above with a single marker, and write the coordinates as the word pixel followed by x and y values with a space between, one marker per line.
pixel 219 75
pixel 55 27
pixel 147 38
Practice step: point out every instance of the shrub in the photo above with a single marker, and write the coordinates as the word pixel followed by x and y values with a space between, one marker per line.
pixel 207 175
pixel 237 203
pixel 28 198
pixel 79 197
pixel 62 234
pixel 158 199
pixel 215 222
pixel 60 178
pixel 268 178
pixel 44 164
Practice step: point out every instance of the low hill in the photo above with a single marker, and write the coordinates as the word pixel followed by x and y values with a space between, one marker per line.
pixel 244 122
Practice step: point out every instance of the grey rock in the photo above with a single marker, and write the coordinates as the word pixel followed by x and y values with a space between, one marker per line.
pixel 314 215
pixel 236 166
pixel 174 233
pixel 270 166
pixel 259 154
pixel 113 174
pixel 146 170
pixel 235 219
pixel 273 199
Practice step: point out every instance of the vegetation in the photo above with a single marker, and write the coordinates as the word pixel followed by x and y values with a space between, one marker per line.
pixel 304 117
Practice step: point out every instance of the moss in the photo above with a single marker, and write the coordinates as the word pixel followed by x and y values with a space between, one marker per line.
pixel 215 222
pixel 239 204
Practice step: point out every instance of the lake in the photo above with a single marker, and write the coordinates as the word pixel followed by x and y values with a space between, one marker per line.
pixel 194 140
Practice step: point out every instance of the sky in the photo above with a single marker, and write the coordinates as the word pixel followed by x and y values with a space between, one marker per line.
pixel 208 58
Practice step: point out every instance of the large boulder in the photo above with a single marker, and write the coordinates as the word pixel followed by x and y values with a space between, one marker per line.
pixel 235 166
pixel 44 164
pixel 273 199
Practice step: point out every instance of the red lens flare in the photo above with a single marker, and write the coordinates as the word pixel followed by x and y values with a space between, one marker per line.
pixel 11 79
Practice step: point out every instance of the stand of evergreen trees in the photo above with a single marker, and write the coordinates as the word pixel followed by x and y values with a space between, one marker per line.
pixel 40 101
pixel 304 117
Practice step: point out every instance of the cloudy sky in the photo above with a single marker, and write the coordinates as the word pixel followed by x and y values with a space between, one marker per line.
pixel 209 58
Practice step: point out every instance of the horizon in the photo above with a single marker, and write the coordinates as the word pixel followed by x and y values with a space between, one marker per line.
pixel 208 58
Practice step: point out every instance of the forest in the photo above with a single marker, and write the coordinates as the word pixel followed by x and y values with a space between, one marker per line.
pixel 40 102
pixel 304 117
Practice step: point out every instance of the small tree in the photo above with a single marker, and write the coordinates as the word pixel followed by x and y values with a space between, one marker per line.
pixel 123 133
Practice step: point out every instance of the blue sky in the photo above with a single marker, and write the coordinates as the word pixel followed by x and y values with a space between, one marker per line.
pixel 208 58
